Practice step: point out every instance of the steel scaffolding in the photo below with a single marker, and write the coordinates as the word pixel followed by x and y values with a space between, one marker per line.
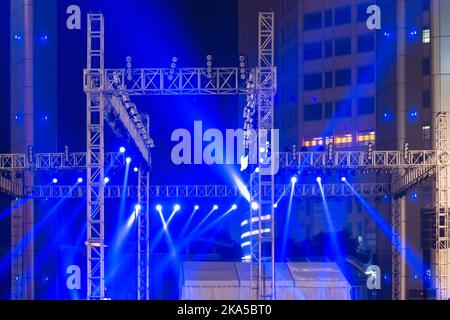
pixel 108 89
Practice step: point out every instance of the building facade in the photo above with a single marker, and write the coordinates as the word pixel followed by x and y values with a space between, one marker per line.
pixel 341 82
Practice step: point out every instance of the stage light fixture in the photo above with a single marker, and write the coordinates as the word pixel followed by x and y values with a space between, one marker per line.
pixel 196 207
pixel 122 150
pixel 177 207
pixel 294 180
pixel 137 207
pixel 159 208
pixel 215 207
pixel 55 180
pixel 136 169
pixel 255 205
pixel 128 160
pixel 80 180
pixel 234 207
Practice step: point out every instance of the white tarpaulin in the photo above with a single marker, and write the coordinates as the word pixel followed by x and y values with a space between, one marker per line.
pixel 294 281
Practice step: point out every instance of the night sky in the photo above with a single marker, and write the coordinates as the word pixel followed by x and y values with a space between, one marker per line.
pixel 152 32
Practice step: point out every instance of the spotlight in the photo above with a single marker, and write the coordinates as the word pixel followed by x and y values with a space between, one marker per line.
pixel 319 180
pixel 234 207
pixel 80 180
pixel 106 180
pixel 294 180
pixel 344 179
pixel 136 169
pixel 177 207
pixel 128 160
pixel 215 207
pixel 196 207
pixel 55 180
pixel 159 208
pixel 137 207
pixel 275 205
pixel 122 150
pixel 255 205
pixel 257 170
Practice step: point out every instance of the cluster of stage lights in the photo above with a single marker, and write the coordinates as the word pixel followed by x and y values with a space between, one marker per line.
pixel 177 207
pixel 106 179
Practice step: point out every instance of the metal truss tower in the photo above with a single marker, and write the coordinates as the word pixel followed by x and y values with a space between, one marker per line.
pixel 262 246
pixel 95 159
pixel 143 249
pixel 441 269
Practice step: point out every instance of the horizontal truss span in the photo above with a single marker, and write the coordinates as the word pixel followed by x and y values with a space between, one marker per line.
pixel 389 160
pixel 155 81
pixel 213 191
pixel 56 161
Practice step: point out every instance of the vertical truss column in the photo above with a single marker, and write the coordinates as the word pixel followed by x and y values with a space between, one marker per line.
pixel 262 185
pixel 398 242
pixel 95 159
pixel 17 281
pixel 143 273
pixel 442 208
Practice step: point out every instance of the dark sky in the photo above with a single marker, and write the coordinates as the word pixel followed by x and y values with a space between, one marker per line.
pixel 152 32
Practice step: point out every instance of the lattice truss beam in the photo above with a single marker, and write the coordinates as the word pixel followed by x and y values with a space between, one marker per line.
pixel 212 191
pixel 387 160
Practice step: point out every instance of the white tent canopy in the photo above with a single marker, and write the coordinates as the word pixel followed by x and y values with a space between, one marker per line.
pixel 294 281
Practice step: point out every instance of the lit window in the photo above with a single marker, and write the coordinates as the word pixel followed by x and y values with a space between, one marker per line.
pixel 366 137
pixel 426 35
pixel 426 131
pixel 343 141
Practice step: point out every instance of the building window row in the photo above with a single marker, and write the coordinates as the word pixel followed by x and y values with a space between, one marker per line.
pixel 342 77
pixel 342 46
pixel 337 17
pixel 342 109
pixel 345 140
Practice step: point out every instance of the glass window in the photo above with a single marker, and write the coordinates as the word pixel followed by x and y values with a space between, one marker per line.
pixel 313 112
pixel 343 77
pixel 328 48
pixel 426 99
pixel 426 66
pixel 366 105
pixel 426 35
pixel 342 46
pixel 366 42
pixel 365 137
pixel 328 18
pixel 312 21
pixel 312 51
pixel 342 15
pixel 366 74
pixel 328 110
pixel 426 132
pixel 343 141
pixel 343 109
pixel 362 12
pixel 312 81
pixel 328 79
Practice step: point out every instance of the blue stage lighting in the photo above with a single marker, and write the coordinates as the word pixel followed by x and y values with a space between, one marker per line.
pixel 80 180
pixel 319 180
pixel 234 207
pixel 294 180
pixel 413 196
pixel 196 207
pixel 128 160
pixel 159 207
pixel 122 150
pixel 55 180
pixel 137 207
pixel 255 205
pixel 136 169
pixel 275 205
pixel 106 180
pixel 177 207
pixel 344 179
pixel 413 114
pixel 215 207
